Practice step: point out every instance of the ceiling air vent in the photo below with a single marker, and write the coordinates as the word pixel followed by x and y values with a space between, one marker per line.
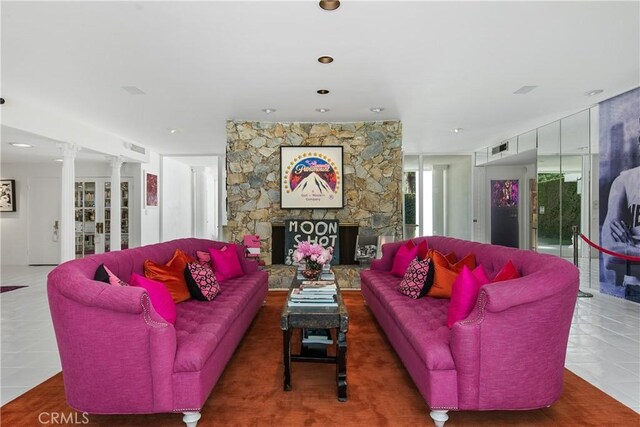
pixel 134 147
pixel 500 148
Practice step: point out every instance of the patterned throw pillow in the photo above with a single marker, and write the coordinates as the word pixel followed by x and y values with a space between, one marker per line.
pixel 201 281
pixel 418 279
pixel 103 274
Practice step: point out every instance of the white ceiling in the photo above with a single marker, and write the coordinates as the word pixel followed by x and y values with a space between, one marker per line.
pixel 42 149
pixel 434 65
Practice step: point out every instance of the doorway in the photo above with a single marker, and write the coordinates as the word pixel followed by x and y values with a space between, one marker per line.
pixel 44 244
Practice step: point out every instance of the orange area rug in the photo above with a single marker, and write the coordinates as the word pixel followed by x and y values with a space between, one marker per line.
pixel 380 392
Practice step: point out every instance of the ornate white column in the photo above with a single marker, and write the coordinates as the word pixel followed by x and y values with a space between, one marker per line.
pixel 67 202
pixel 116 197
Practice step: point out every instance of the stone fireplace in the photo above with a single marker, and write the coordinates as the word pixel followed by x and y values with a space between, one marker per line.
pixel 347 243
pixel 372 169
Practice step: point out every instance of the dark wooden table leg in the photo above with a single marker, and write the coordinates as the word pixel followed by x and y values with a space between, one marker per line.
pixel 286 341
pixel 341 366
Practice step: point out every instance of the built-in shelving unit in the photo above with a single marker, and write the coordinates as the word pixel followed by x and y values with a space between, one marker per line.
pixel 124 215
pixel 93 215
pixel 85 215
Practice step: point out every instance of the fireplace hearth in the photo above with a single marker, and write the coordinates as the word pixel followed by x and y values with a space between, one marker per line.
pixel 348 234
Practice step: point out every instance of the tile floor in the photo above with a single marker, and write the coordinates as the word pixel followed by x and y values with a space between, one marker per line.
pixel 604 345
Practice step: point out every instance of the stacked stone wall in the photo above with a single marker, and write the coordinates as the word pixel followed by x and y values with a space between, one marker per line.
pixel 372 158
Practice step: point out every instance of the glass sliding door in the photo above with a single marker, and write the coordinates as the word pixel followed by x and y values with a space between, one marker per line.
pixel 411 195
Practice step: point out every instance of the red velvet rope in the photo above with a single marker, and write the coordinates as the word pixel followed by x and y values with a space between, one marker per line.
pixel 607 251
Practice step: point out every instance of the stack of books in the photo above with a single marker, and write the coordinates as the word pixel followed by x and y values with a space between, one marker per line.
pixel 321 293
pixel 316 336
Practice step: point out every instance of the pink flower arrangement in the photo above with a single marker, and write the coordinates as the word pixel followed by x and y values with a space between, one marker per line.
pixel 313 255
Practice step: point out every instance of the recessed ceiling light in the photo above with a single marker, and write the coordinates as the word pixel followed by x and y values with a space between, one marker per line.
pixel 524 90
pixel 59 160
pixel 323 91
pixel 457 130
pixel 325 59
pixel 329 4
pixel 20 145
pixel 594 92
pixel 269 110
pixel 322 110
pixel 172 131
pixel 376 109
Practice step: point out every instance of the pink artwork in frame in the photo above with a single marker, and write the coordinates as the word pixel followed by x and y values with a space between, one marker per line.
pixel 151 190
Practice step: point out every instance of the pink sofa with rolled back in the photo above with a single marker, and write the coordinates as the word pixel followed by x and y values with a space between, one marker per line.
pixel 120 357
pixel 508 354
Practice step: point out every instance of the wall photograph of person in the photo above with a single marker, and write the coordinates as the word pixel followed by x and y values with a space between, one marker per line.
pixel 620 195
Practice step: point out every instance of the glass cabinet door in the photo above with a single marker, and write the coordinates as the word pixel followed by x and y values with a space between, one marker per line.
pixel 85 218
pixel 124 215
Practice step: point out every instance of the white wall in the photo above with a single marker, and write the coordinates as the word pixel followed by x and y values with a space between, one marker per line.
pixel 14 226
pixel 176 199
pixel 458 199
pixel 147 218
pixel 14 232
pixel 438 199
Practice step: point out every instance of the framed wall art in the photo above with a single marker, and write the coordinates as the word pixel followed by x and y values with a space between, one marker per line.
pixel 311 177
pixel 150 190
pixel 7 195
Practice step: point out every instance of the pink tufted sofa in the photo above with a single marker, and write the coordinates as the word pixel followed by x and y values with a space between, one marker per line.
pixel 507 355
pixel 120 357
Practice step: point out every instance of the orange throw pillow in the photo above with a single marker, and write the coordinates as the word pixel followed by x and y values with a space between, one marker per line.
pixel 445 272
pixel 171 275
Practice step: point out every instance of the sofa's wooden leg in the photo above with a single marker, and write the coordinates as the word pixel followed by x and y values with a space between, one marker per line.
pixel 191 418
pixel 439 417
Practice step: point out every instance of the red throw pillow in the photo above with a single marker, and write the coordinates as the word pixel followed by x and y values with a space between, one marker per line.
pixel 171 275
pixel 159 295
pixel 464 293
pixel 405 254
pixel 225 263
pixel 508 272
pixel 423 250
pixel 418 279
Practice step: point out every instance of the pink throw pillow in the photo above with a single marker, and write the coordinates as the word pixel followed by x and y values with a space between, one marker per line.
pixel 204 258
pixel 406 253
pixel 159 296
pixel 418 279
pixel 508 272
pixel 464 293
pixel 225 263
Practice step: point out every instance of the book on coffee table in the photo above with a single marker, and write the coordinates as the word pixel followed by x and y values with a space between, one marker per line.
pixel 316 336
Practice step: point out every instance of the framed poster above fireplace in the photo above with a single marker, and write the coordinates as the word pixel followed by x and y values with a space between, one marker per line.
pixel 311 177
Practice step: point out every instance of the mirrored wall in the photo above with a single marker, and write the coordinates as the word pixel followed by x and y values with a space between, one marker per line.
pixel 563 196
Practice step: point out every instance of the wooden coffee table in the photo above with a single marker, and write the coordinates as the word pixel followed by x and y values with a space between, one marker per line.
pixel 336 318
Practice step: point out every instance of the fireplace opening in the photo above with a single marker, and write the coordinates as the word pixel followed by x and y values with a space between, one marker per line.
pixel 347 236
